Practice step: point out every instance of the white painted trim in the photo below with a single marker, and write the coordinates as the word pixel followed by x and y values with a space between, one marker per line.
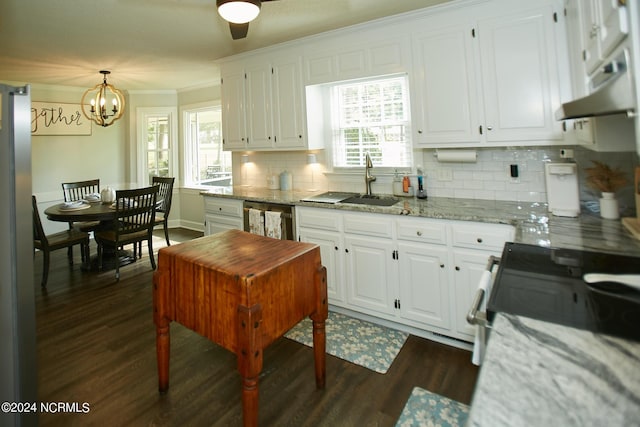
pixel 174 143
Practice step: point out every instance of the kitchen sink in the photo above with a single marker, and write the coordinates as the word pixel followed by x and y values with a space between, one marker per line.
pixel 369 199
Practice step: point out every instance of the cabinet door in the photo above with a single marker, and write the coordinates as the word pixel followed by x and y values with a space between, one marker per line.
pixel 468 268
pixel 613 26
pixel 592 54
pixel 288 107
pixel 445 87
pixel 424 294
pixel 369 267
pixel 331 253
pixel 217 223
pixel 520 76
pixel 259 120
pixel 233 111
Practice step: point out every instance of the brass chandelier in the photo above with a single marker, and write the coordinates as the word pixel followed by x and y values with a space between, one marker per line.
pixel 99 96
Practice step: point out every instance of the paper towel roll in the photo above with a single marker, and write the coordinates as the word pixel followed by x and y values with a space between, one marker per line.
pixel 459 156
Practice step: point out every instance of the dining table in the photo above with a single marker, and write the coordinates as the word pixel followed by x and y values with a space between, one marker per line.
pixel 92 211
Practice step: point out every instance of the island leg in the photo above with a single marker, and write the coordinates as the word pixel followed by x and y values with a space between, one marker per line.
pixel 250 360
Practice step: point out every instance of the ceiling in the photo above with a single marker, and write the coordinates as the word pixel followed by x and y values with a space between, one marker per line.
pixel 155 44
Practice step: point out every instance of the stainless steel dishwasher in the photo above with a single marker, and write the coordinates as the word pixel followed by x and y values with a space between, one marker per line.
pixel 286 214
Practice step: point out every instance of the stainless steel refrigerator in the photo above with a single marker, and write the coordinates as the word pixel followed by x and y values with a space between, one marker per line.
pixel 18 375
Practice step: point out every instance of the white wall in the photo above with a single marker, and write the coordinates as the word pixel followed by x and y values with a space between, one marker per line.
pixel 58 159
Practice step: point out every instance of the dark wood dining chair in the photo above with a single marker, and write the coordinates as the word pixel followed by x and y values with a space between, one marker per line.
pixel 133 223
pixel 165 192
pixel 78 190
pixel 52 242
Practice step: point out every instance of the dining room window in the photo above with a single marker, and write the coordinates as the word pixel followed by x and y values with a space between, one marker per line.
pixel 206 163
pixel 158 143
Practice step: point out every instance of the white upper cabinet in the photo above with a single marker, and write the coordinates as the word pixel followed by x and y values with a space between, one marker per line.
pixel 491 79
pixel 604 26
pixel 234 133
pixel 520 75
pixel 288 104
pixel 367 53
pixel 263 104
pixel 444 91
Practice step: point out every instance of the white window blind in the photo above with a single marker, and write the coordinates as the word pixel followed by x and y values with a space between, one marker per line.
pixel 371 116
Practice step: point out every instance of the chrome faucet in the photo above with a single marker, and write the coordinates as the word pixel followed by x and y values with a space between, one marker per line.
pixel 368 178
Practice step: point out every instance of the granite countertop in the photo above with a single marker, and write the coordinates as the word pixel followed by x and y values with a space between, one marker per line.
pixel 531 220
pixel 542 374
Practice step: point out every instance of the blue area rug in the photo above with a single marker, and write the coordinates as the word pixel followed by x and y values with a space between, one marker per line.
pixel 356 341
pixel 426 409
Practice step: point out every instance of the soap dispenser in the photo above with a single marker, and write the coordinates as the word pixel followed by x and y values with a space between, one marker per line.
pixel 422 193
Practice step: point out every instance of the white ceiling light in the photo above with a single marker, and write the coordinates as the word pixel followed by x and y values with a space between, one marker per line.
pixel 238 11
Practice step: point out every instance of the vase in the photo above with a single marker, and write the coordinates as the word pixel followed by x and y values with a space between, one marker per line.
pixel 609 206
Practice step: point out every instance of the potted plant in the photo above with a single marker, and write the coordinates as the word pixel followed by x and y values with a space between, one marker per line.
pixel 606 180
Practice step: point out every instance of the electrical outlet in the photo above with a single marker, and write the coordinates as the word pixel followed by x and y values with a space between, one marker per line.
pixel 444 175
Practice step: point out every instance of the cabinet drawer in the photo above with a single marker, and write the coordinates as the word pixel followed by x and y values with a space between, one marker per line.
pixel 220 206
pixel 422 230
pixel 486 236
pixel 323 219
pixel 369 225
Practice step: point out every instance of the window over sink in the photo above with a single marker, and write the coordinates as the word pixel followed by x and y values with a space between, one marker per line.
pixel 359 116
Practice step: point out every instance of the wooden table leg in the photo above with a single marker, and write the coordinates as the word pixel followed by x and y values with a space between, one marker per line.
pixel 162 353
pixel 250 360
pixel 319 334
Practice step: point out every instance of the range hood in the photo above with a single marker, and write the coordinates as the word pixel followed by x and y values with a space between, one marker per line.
pixel 612 92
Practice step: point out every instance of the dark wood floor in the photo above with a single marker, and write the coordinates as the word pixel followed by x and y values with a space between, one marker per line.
pixel 96 344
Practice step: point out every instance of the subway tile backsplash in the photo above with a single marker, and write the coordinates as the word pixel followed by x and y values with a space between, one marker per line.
pixel 489 178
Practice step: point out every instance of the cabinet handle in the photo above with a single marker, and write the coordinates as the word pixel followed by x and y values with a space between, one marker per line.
pixel 480 129
pixel 419 131
pixel 335 247
pixel 346 250
pixel 457 268
pixel 479 240
pixel 300 136
pixel 564 126
pixel 419 233
pixel 489 127
pixel 441 265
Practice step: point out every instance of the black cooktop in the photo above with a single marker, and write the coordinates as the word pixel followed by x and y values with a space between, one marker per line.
pixel 547 284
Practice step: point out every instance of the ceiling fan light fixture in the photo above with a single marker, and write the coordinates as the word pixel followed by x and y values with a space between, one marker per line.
pixel 238 11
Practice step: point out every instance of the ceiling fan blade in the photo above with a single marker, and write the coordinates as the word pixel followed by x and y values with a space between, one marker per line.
pixel 238 31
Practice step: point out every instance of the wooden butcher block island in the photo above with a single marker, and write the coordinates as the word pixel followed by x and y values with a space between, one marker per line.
pixel 243 292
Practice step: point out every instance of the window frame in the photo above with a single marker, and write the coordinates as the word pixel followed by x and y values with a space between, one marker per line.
pixel 188 149
pixel 142 114
pixel 330 93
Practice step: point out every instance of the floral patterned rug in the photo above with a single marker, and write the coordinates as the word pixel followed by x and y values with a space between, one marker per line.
pixel 354 340
pixel 432 410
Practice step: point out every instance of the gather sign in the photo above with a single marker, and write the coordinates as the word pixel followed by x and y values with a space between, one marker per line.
pixel 54 118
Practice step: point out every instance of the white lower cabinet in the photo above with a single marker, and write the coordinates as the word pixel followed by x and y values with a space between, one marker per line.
pixel 331 253
pixel 418 272
pixel 424 292
pixel 371 273
pixel 221 214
